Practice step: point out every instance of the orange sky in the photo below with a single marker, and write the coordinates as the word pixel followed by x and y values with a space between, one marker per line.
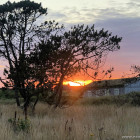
pixel 77 83
pixel 81 79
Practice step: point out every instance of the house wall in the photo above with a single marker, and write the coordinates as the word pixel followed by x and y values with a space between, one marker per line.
pixel 122 90
pixel 132 87
pixel 104 92
pixel 116 91
pixel 99 92
pixel 88 93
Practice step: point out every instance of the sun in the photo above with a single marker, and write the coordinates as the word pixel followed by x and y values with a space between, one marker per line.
pixel 74 83
pixel 77 83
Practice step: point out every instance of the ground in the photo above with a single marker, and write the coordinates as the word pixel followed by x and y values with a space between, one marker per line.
pixel 78 122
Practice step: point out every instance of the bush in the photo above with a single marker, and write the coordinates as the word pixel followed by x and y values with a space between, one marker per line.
pixel 134 98
pixel 7 94
pixel 131 99
pixel 20 124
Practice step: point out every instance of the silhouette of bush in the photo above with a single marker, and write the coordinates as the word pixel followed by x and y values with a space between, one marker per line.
pixel 7 94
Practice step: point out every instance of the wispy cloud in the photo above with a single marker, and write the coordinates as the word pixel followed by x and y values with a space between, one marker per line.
pixel 1 66
pixel 71 15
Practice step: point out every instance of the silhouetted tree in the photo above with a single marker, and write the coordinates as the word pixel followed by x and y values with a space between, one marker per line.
pixel 80 49
pixel 20 33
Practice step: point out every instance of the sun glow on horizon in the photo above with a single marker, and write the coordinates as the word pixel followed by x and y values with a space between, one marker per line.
pixel 77 83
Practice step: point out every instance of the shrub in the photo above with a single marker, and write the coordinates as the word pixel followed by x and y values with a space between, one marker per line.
pixel 6 94
pixel 131 99
pixel 134 98
pixel 20 124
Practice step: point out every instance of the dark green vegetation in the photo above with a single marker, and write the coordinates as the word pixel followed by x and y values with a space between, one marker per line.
pixel 119 100
pixel 7 94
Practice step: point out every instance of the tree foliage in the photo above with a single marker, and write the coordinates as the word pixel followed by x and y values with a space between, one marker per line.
pixel 78 50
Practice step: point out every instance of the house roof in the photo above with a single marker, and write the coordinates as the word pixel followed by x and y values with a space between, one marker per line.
pixel 112 83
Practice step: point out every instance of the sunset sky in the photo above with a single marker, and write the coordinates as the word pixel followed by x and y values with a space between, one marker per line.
pixel 122 18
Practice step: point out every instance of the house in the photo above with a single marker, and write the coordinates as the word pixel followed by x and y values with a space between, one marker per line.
pixel 112 87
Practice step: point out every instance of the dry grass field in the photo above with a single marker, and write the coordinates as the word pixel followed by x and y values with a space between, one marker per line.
pixel 78 122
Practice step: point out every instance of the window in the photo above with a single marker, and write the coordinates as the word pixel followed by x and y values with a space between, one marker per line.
pixel 116 91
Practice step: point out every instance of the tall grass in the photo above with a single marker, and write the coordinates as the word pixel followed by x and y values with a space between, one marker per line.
pixel 78 122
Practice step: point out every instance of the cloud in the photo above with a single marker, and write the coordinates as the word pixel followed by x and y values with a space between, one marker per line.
pixel 56 14
pixel 1 66
pixel 86 15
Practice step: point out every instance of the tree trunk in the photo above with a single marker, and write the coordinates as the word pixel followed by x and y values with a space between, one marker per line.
pixel 26 105
pixel 59 92
pixel 33 109
pixel 17 98
pixel 25 112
